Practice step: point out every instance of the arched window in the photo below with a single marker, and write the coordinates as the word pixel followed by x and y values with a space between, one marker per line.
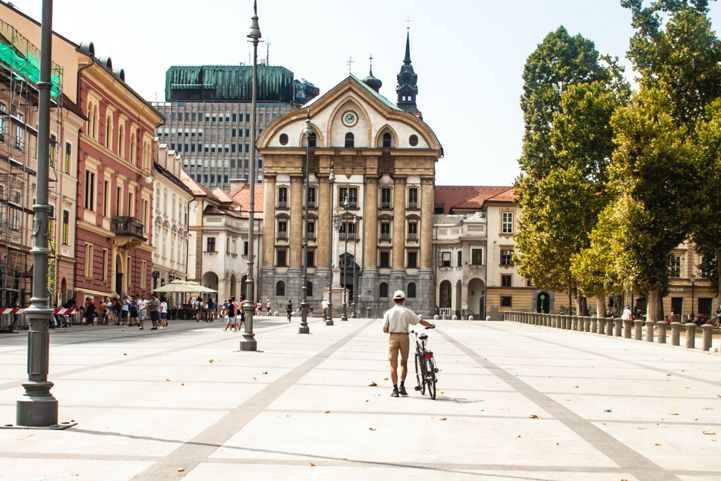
pixel 309 289
pixel 387 140
pixel 383 290
pixel 411 290
pixel 349 140
pixel 108 131
pixel 132 147
pixel 121 141
pixel 280 289
pixel 312 139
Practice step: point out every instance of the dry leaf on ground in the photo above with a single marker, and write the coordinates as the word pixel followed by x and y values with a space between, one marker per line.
pixel 311 464
pixel 607 411
pixel 533 416
pixel 444 419
pixel 327 411
pixel 371 429
pixel 372 384
pixel 708 432
pixel 180 470
pixel 211 361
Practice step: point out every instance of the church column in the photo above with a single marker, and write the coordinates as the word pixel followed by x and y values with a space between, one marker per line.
pixel 321 230
pixel 399 223
pixel 427 224
pixel 268 222
pixel 296 222
pixel 370 224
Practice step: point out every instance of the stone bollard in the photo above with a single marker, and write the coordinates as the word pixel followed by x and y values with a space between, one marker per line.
pixel 675 333
pixel 637 329
pixel 627 328
pixel 470 318
pixel 617 327
pixel 454 318
pixel 601 325
pixel 690 335
pixel 569 322
pixel 436 317
pixel 649 330
pixel 661 332
pixel 585 324
pixel 707 333
pixel 593 322
pixel 609 327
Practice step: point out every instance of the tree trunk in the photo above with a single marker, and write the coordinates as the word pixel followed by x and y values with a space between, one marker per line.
pixel 653 305
pixel 600 306
pixel 581 305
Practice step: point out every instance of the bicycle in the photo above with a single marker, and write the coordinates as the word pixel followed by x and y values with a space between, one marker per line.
pixel 425 366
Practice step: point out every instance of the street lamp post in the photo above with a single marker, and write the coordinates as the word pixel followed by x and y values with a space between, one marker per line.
pixel 355 287
pixel 693 286
pixel 249 343
pixel 346 225
pixel 38 407
pixel 329 318
pixel 304 329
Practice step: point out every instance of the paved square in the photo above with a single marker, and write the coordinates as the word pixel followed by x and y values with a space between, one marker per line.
pixel 515 402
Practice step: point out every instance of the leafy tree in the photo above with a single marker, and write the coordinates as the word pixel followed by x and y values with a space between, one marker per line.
pixel 654 177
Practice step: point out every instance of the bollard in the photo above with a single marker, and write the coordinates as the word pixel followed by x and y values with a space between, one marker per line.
pixel 627 325
pixel 436 317
pixel 368 312
pixel 661 331
pixel 690 335
pixel 649 330
pixel 675 333
pixel 585 324
pixel 609 327
pixel 637 329
pixel 618 327
pixel 601 325
pixel 593 323
pixel 569 322
pixel 707 333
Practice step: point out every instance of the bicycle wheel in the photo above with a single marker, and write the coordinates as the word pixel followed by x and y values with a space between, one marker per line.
pixel 431 377
pixel 420 375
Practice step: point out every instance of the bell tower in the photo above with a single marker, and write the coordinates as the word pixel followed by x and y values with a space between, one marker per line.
pixel 407 88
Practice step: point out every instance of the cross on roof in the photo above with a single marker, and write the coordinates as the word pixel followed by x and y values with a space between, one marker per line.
pixel 408 24
pixel 349 63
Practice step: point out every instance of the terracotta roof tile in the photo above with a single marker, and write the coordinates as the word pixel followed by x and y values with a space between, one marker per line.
pixel 242 197
pixel 221 195
pixel 195 187
pixel 451 197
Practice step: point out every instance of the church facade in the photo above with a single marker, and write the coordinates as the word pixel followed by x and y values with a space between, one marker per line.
pixel 369 196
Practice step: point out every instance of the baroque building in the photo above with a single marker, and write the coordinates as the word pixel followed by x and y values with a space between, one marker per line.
pixel 207 116
pixel 369 194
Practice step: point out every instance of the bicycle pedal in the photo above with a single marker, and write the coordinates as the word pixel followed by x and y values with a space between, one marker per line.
pixel 417 388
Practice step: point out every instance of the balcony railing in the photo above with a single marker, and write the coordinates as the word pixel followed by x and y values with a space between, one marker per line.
pixel 282 235
pixel 127 226
pixel 385 205
pixel 412 205
pixel 282 204
pixel 310 235
pixel 412 237
pixel 385 236
pixel 348 236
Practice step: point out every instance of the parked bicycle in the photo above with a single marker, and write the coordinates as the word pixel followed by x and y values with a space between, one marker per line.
pixel 425 366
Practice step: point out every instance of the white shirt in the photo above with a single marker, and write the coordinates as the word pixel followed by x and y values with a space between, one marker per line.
pixel 324 304
pixel 398 318
pixel 163 306
pixel 626 316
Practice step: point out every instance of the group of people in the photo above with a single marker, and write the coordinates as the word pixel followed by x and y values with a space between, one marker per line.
pixel 233 314
pixel 128 310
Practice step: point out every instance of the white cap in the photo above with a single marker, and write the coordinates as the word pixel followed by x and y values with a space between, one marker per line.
pixel 399 295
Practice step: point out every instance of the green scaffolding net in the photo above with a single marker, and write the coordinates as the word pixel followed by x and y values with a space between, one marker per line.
pixel 28 66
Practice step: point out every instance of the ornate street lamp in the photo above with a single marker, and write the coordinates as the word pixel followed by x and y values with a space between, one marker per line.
pixel 329 318
pixel 304 329
pixel 249 343
pixel 355 286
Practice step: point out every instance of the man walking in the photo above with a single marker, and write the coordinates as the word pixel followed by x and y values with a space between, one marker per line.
pixel 396 321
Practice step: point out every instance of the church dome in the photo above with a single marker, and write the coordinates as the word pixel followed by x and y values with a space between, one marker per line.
pixel 373 82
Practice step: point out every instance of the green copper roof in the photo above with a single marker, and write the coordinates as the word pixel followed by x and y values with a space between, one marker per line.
pixel 375 94
pixel 229 83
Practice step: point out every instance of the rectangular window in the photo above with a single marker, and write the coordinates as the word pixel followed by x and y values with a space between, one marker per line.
pixel 3 112
pixel 281 258
pixel 143 274
pixel 89 190
pixel 385 231
pixel 20 133
pixel 106 198
pixel 245 248
pixel 311 197
pixel 385 259
pixel 144 215
pixel 210 244
pixel 412 259
pixel 53 151
pixel 507 223
pixel 385 198
pixel 310 258
pixel 506 280
pixel 105 265
pixel 15 221
pixel 282 229
pixel 413 198
pixel 66 227
pixel 506 257
pixel 413 231
pixel 445 259
pixel 282 197
pixel 506 301
pixel 476 257
pixel 676 306
pixel 118 200
pixel 459 259
pixel 131 204
pixel 88 261
pixel 310 229
pixel 674 266
pixel 348 195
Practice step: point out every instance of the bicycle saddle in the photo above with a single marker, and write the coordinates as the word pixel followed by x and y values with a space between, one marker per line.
pixel 423 336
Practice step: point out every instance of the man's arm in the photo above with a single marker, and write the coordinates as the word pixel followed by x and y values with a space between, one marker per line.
pixel 426 324
pixel 385 324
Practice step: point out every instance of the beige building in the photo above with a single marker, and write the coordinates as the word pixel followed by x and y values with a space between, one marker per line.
pixel 381 201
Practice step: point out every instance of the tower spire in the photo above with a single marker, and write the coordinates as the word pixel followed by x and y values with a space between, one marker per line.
pixel 407 59
pixel 370 80
pixel 407 87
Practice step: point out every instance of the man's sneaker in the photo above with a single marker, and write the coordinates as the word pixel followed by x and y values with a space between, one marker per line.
pixel 402 390
pixel 395 392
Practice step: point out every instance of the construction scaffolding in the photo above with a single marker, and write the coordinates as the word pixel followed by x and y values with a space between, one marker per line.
pixel 19 74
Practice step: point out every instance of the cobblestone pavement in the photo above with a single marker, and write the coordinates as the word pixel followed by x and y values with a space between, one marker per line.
pixel 515 403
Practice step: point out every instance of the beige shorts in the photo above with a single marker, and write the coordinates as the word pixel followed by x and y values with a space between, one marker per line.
pixel 398 342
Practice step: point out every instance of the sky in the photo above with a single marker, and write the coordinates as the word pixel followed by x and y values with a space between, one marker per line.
pixel 468 54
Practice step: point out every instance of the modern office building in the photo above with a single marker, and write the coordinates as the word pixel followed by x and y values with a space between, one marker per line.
pixel 207 116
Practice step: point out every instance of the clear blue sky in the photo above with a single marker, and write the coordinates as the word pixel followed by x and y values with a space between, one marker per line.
pixel 468 54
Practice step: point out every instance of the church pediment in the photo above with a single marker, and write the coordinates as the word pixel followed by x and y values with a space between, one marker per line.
pixel 350 115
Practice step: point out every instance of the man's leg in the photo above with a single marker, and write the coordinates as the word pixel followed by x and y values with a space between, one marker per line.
pixel 394 372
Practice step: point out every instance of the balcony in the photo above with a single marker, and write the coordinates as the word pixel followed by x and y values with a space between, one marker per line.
pixel 348 236
pixel 385 205
pixel 282 204
pixel 385 236
pixel 310 235
pixel 412 236
pixel 413 204
pixel 129 231
pixel 282 236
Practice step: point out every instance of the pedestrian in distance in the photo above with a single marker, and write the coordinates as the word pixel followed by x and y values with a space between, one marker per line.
pixel 154 311
pixel 89 311
pixel 163 313
pixel 230 315
pixel 241 313
pixel 627 315
pixel 267 306
pixel 396 323
pixel 289 309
